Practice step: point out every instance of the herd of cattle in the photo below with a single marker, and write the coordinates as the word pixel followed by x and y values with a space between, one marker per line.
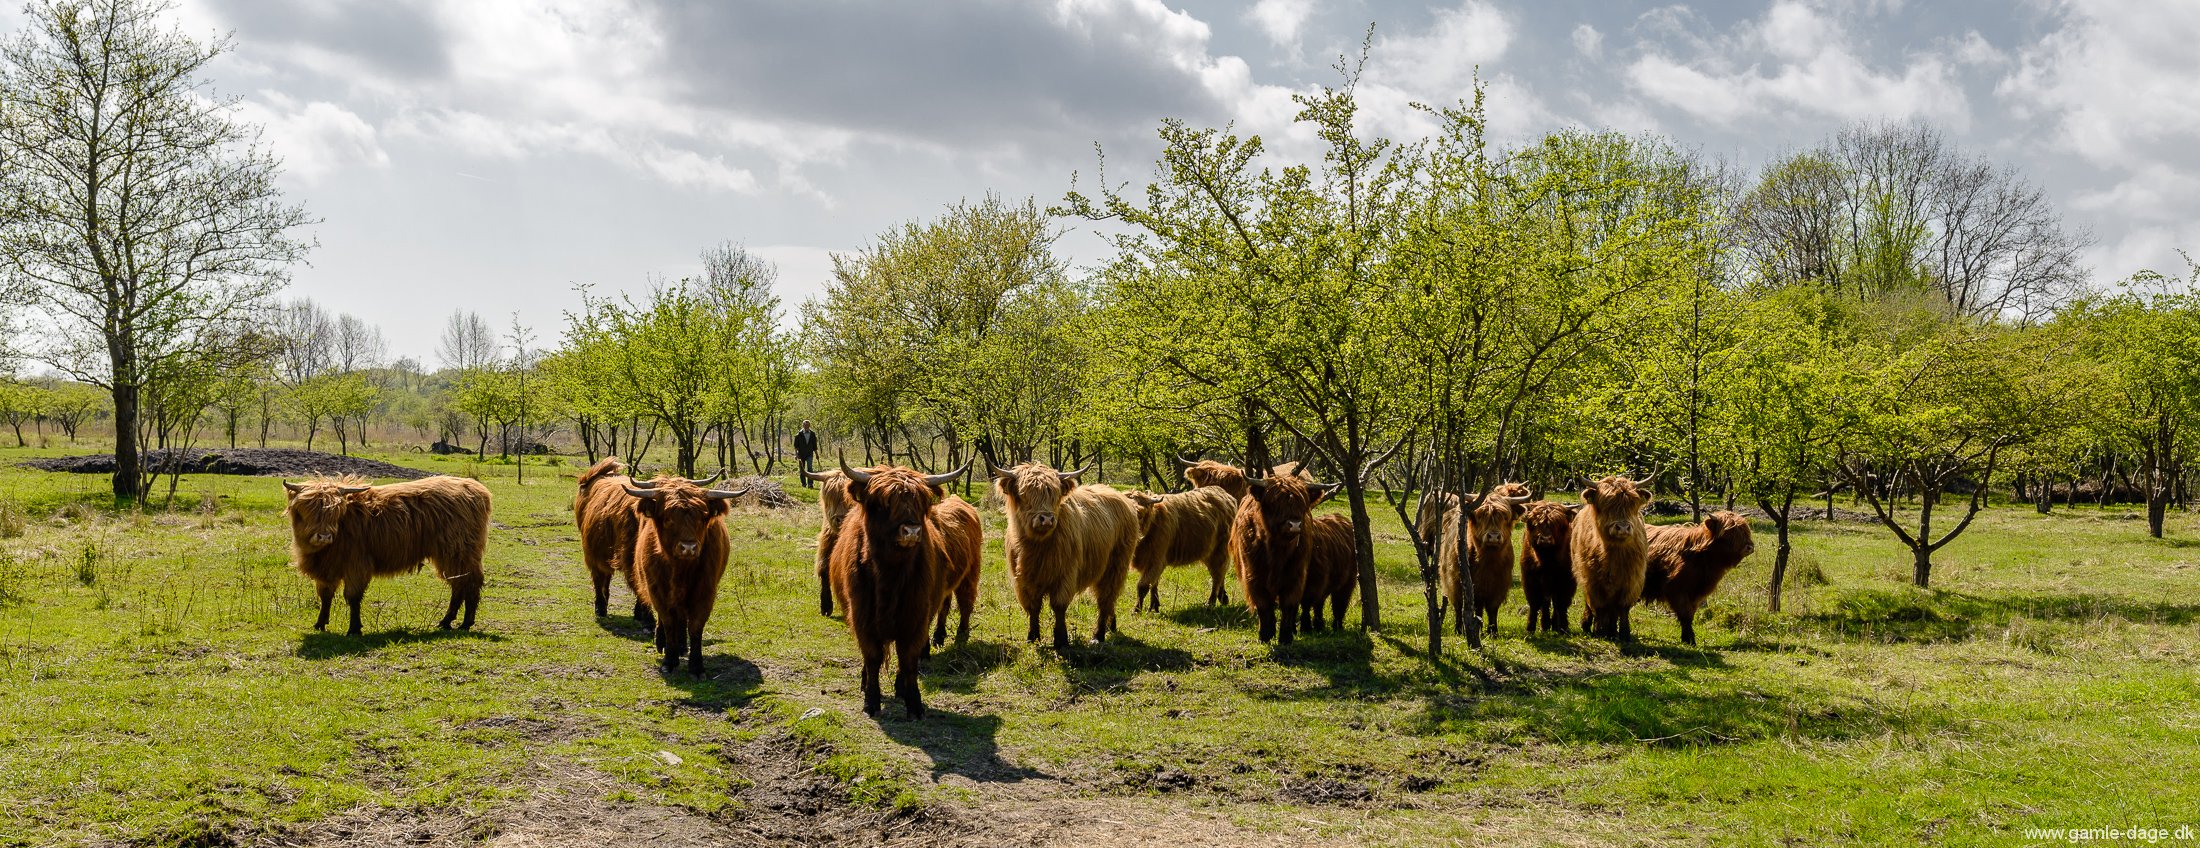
pixel 897 552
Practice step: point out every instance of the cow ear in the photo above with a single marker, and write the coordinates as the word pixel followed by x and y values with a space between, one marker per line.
pixel 856 491
pixel 1006 485
pixel 718 506
pixel 1589 496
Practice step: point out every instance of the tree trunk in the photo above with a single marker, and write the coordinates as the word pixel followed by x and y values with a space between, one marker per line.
pixel 1780 518
pixel 1371 608
pixel 1922 566
pixel 126 484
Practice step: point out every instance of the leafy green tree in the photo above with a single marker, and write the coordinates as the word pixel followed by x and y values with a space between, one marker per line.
pixel 2145 340
pixel 21 403
pixel 139 213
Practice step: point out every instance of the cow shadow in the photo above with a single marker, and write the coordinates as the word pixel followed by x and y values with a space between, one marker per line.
pixel 728 681
pixel 1215 616
pixel 320 646
pixel 959 667
pixel 957 743
pixel 625 627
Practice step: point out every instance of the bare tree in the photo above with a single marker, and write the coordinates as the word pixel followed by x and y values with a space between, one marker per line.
pixel 468 343
pixel 137 212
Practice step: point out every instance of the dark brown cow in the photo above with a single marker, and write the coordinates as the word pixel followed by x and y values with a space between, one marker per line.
pixel 895 561
pixel 1609 550
pixel 1065 538
pixel 346 532
pixel 1331 572
pixel 1687 561
pixel 1179 529
pixel 680 551
pixel 832 505
pixel 1489 555
pixel 1547 565
pixel 608 522
pixel 1272 548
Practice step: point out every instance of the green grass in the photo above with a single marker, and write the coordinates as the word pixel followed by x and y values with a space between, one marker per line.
pixel 162 686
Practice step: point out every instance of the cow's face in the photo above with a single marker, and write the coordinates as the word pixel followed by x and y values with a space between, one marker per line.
pixel 1286 503
pixel 832 496
pixel 1619 503
pixel 1492 522
pixel 1034 494
pixel 1730 531
pixel 895 502
pixel 682 513
pixel 1548 523
pixel 317 509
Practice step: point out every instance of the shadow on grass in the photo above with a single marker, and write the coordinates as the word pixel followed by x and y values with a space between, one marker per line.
pixel 321 646
pixel 958 744
pixel 624 627
pixel 1110 666
pixel 958 668
pixel 1661 707
pixel 1217 616
pixel 1905 614
pixel 727 681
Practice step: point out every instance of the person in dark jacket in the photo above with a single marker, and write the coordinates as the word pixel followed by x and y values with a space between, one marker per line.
pixel 805 447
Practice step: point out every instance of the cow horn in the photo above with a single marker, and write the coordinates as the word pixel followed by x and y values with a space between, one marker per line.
pixel 705 482
pixel 1182 463
pixel 1517 500
pixel 645 484
pixel 1071 476
pixel 854 476
pixel 645 494
pixel 292 488
pixel 724 494
pixel 1639 484
pixel 1574 507
pixel 352 490
pixel 1326 488
pixel 1255 481
pixel 949 477
pixel 818 476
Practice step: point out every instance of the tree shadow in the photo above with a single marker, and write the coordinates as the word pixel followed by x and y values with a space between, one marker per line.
pixel 958 744
pixel 1217 616
pixel 1659 707
pixel 958 668
pixel 1908 615
pixel 321 646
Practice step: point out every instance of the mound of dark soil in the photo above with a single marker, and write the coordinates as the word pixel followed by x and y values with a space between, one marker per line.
pixel 250 462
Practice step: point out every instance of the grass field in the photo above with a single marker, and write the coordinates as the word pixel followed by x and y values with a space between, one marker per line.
pixel 160 684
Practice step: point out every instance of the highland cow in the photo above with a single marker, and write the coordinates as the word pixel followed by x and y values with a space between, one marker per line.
pixel 1687 561
pixel 1609 550
pixel 832 504
pixel 1332 571
pixel 1230 478
pixel 1179 529
pixel 1489 555
pixel 346 532
pixel 1063 539
pixel 1272 548
pixel 680 550
pixel 903 547
pixel 1547 565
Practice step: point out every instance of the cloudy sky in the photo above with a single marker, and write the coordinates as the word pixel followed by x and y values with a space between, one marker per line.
pixel 491 154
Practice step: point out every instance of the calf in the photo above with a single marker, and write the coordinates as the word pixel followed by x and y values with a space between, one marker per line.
pixel 903 546
pixel 1489 555
pixel 1609 550
pixel 1063 539
pixel 1182 528
pixel 1270 543
pixel 608 524
pixel 680 551
pixel 1687 561
pixel 343 531
pixel 832 504
pixel 1547 565
pixel 1332 571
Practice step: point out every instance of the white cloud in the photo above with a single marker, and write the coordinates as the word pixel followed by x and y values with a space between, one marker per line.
pixel 313 139
pixel 1797 60
pixel 1444 56
pixel 1281 20
pixel 1588 41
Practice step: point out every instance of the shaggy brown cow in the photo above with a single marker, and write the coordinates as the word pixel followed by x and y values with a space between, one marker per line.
pixel 1489 555
pixel 1609 550
pixel 1686 562
pixel 1231 478
pixel 1547 565
pixel 608 523
pixel 1271 545
pixel 680 550
pixel 901 549
pixel 1429 518
pixel 1065 538
pixel 1332 571
pixel 344 531
pixel 1178 529
pixel 832 504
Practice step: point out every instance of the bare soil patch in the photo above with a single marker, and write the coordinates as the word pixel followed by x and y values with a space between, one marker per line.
pixel 249 462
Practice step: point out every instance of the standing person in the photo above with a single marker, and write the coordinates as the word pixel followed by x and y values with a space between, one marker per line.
pixel 805 446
